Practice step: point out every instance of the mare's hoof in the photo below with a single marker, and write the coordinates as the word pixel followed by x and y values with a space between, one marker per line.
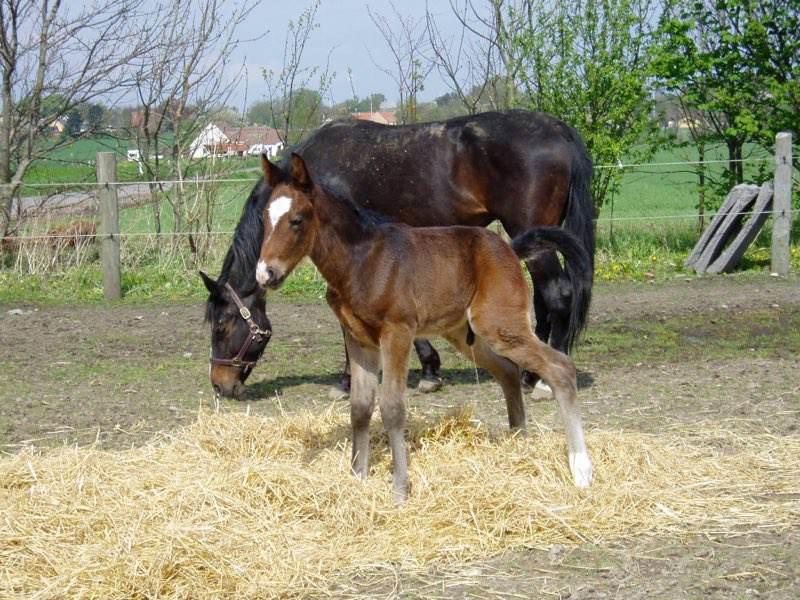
pixel 541 391
pixel 426 385
pixel 528 380
pixel 338 392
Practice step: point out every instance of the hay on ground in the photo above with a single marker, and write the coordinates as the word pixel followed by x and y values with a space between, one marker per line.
pixel 239 506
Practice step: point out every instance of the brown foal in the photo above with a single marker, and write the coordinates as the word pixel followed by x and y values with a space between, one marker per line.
pixel 389 283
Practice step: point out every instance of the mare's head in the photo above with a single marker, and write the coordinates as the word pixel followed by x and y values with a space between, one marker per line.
pixel 236 307
pixel 240 331
pixel 290 222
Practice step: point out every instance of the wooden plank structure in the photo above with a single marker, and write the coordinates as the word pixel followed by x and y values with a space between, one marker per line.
pixel 733 229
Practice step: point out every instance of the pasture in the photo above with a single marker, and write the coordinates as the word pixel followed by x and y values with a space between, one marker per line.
pixel 691 404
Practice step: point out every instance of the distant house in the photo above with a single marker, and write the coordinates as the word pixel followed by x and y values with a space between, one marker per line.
pixel 58 125
pixel 235 141
pixel 383 117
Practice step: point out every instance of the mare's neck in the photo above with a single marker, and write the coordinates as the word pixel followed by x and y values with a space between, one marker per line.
pixel 239 266
pixel 336 246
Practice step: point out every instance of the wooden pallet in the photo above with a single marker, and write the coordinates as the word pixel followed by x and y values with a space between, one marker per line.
pixel 732 230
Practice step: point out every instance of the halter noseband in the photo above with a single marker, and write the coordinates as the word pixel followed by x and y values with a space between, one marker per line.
pixel 255 333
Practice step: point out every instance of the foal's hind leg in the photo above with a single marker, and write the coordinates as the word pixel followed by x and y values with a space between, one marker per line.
pixel 509 335
pixel 558 371
pixel 505 372
pixel 365 366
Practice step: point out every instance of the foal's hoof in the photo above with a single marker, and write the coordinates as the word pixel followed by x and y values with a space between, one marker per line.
pixel 428 385
pixel 338 392
pixel 581 468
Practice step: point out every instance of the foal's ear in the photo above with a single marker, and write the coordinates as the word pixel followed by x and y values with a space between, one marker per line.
pixel 299 172
pixel 272 173
pixel 211 285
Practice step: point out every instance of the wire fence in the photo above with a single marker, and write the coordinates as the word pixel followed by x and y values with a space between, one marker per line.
pixel 56 229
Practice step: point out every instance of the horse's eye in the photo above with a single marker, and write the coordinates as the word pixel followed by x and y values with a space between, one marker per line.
pixel 296 222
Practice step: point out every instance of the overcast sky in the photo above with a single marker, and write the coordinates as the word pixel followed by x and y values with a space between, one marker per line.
pixel 347 33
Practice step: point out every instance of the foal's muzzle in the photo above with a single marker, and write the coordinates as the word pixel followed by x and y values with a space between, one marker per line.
pixel 270 276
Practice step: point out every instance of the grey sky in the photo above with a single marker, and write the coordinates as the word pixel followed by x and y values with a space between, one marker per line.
pixel 346 31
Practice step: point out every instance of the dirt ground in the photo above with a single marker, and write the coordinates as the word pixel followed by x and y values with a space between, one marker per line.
pixel 656 355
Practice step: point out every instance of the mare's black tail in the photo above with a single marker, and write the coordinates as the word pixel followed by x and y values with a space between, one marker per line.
pixel 577 264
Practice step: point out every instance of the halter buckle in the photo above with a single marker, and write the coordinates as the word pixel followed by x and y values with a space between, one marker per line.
pixel 245 312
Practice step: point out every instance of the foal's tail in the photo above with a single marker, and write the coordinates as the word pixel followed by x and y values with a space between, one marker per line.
pixel 578 265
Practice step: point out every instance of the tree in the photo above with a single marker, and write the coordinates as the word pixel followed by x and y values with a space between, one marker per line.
pixel 93 116
pixel 292 108
pixel 260 113
pixel 584 62
pixel 183 81
pixel 74 123
pixel 733 65
pixel 587 63
pixel 53 59
pixel 698 58
pixel 481 64
pixel 407 43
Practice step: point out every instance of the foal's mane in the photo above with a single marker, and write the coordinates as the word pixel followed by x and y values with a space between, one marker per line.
pixel 365 218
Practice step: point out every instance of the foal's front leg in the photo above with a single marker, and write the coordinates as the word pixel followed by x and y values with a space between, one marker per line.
pixel 395 348
pixel 364 366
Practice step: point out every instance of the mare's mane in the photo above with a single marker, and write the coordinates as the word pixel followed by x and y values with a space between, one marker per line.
pixel 240 260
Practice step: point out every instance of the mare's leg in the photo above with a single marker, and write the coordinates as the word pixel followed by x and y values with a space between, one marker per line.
pixel 505 372
pixel 431 365
pixel 431 380
pixel 395 348
pixel 365 366
pixel 510 336
pixel 552 296
pixel 552 301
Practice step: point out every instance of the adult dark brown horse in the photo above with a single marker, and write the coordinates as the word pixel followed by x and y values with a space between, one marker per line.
pixel 389 283
pixel 518 167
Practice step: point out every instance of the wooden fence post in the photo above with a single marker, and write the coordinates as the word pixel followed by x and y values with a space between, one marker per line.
pixel 109 224
pixel 782 204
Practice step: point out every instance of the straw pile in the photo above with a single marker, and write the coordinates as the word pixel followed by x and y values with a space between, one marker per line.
pixel 239 506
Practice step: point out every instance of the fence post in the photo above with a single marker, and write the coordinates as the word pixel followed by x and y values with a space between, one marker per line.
pixel 109 224
pixel 782 204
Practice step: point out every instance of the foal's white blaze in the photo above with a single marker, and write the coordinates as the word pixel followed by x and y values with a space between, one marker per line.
pixel 581 468
pixel 277 209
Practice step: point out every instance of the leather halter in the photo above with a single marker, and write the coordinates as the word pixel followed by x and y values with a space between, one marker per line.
pixel 255 333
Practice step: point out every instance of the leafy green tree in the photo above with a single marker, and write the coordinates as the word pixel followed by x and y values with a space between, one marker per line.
pixel 370 103
pixel 586 62
pixel 74 122
pixel 770 45
pixel 733 67
pixel 93 116
pixel 698 57
pixel 260 113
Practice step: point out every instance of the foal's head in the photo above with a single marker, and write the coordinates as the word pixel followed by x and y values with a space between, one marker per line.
pixel 290 223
